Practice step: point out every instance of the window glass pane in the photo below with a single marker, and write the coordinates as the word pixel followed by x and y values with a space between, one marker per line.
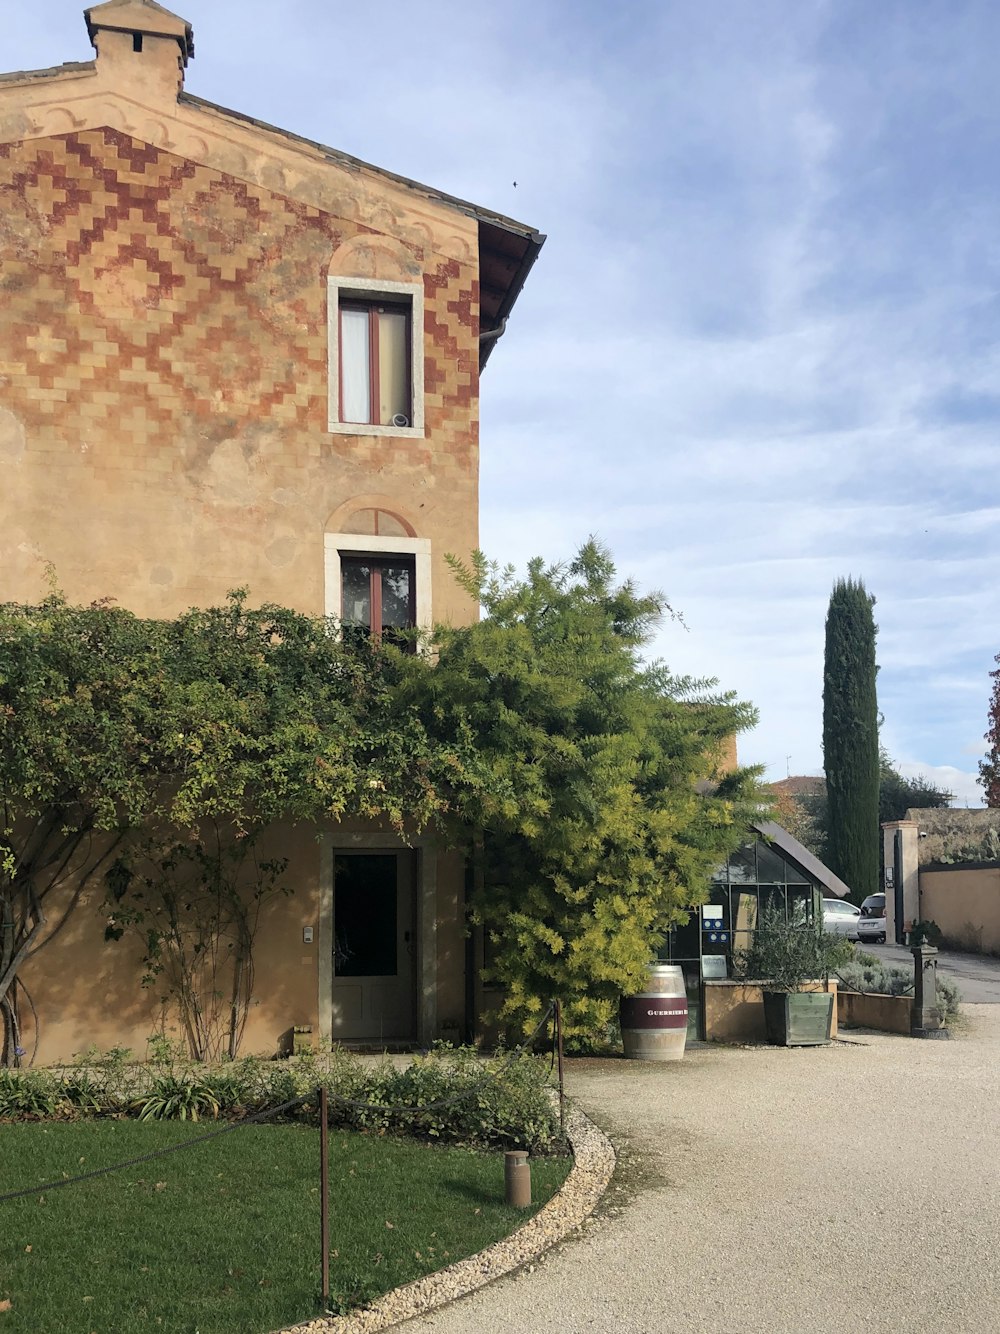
pixel 393 366
pixel 355 370
pixel 772 899
pixel 800 906
pixel 744 918
pixel 770 864
pixel 743 866
pixel 396 586
pixel 356 587
pixel 684 940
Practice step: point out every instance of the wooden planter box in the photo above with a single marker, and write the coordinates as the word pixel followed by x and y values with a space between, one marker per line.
pixel 798 1018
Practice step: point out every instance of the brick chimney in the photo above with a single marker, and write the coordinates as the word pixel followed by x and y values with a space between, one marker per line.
pixel 140 40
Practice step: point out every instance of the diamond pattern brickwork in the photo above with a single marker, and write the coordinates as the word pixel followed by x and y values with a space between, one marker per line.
pixel 163 343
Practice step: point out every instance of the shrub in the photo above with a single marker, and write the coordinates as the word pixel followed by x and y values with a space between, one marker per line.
pixel 28 1094
pixel 175 1098
pixel 449 1095
pixel 926 933
pixel 785 954
pixel 869 974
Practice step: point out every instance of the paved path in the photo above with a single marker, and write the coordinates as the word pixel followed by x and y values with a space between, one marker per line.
pixel 840 1189
pixel 977 975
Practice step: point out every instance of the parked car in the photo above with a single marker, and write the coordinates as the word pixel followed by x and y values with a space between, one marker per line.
pixel 871 923
pixel 841 918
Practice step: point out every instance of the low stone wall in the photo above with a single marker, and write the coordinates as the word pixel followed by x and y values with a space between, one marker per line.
pixel 734 1011
pixel 887 1014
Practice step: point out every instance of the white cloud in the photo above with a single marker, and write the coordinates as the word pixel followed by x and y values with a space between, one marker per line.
pixel 947 778
pixel 759 350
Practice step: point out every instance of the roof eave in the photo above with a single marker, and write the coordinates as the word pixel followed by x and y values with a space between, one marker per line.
pixel 358 164
pixel 533 239
pixel 799 853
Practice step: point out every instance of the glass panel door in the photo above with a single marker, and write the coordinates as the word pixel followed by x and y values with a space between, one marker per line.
pixel 373 998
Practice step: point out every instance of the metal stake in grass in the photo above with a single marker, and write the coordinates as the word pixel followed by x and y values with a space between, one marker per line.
pixel 559 1052
pixel 324 1191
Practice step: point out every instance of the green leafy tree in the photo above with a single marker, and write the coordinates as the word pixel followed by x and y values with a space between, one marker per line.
pixel 594 780
pixel 897 795
pixel 850 737
pixel 110 724
pixel 803 814
pixel 601 802
pixel 79 694
pixel 989 768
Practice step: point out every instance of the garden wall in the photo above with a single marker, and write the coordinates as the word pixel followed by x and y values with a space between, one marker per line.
pixel 734 1011
pixel 886 1014
pixel 965 903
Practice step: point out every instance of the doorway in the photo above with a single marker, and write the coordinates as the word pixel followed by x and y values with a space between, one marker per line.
pixel 374 947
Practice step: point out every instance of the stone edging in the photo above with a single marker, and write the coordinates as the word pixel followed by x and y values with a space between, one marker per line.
pixel 594 1163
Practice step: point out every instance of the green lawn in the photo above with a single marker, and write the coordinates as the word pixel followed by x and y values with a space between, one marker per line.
pixel 224 1238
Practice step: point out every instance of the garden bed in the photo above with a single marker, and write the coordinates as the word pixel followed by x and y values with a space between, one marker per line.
pixel 449 1096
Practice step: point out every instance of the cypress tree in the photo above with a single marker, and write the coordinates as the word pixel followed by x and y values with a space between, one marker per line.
pixel 850 738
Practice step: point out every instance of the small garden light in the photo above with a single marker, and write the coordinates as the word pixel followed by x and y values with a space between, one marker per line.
pixel 517 1179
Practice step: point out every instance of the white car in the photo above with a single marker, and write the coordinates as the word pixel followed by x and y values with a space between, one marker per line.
pixel 871 923
pixel 841 918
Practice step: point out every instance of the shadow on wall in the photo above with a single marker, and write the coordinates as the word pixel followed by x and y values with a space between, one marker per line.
pixel 88 991
pixel 970 939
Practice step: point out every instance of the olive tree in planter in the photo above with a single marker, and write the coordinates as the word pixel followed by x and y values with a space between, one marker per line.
pixel 783 958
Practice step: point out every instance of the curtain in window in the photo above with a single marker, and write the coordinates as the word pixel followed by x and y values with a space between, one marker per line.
pixel 393 370
pixel 355 367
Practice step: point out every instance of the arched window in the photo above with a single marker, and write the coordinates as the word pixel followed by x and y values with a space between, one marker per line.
pixel 378 577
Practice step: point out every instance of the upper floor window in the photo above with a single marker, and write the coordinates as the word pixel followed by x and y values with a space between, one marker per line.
pixel 375 364
pixel 376 357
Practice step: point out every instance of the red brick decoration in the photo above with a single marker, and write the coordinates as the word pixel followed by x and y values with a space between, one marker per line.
pixel 163 383
pixel 137 281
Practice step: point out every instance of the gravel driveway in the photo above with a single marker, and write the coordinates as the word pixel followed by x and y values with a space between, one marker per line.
pixel 847 1188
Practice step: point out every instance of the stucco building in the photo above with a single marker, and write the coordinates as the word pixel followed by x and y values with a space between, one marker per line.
pixel 231 356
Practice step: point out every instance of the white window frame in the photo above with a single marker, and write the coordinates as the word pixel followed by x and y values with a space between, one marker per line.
pixel 370 290
pixel 338 545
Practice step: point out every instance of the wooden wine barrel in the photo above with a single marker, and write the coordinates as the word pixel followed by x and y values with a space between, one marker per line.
pixel 654 1023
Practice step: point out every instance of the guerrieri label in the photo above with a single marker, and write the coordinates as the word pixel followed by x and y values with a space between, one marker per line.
pixel 645 1012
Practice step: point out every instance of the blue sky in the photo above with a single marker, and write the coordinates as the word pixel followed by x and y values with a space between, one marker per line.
pixel 759 351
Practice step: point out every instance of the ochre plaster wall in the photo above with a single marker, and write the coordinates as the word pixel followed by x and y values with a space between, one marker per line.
pixel 163 353
pixel 966 906
pixel 886 1014
pixel 88 990
pixel 164 427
